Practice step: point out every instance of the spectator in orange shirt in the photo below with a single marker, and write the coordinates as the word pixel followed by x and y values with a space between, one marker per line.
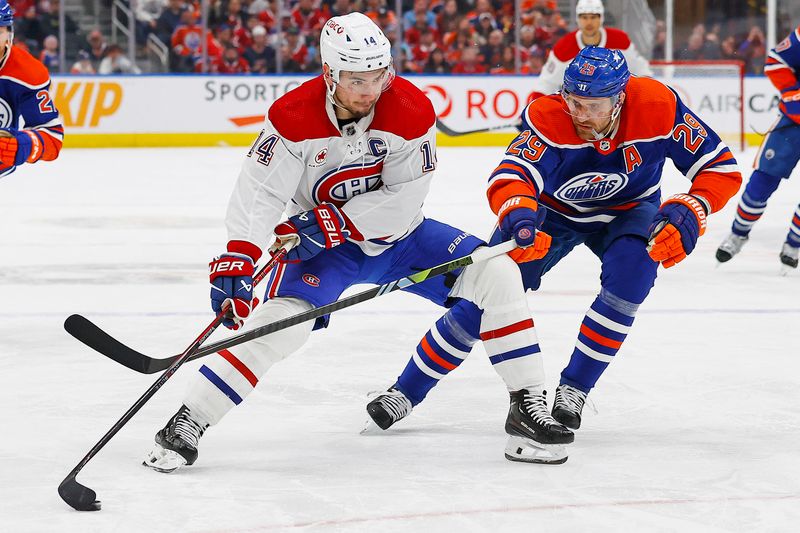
pixel 470 62
pixel 187 46
pixel 230 62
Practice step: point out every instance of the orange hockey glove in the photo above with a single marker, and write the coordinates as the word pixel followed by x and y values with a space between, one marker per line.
pixel 676 228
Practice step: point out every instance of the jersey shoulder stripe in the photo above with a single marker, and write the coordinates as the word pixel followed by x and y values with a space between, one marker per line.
pixel 566 48
pixel 617 39
pixel 648 111
pixel 300 114
pixel 403 110
pixel 21 67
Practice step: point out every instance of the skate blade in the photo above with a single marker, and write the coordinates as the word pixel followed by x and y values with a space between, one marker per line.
pixel 163 460
pixel 371 428
pixel 529 451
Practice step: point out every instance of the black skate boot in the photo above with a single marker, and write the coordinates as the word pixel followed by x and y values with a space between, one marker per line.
pixel 789 255
pixel 568 405
pixel 388 407
pixel 731 246
pixel 176 443
pixel 534 436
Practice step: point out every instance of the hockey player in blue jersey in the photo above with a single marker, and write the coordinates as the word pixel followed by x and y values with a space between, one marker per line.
pixel 30 127
pixel 776 157
pixel 593 157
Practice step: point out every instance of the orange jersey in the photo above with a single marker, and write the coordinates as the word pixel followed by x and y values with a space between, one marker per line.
pixel 590 182
pixel 26 104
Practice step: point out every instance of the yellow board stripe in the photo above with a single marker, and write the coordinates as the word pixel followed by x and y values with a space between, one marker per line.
pixel 148 140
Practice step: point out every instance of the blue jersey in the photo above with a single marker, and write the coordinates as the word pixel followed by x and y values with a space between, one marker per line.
pixel 26 104
pixel 589 183
pixel 782 67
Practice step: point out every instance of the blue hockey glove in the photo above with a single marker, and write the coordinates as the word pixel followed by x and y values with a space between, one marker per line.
pixel 674 231
pixel 519 218
pixel 320 229
pixel 18 147
pixel 231 276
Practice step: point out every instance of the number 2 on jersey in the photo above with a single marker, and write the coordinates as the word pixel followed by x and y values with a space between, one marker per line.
pixel 527 146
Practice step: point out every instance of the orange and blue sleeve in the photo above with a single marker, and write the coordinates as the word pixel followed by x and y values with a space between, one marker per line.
pixel 43 120
pixel 783 63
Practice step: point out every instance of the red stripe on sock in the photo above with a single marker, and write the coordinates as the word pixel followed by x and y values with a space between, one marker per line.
pixel 507 330
pixel 747 216
pixel 426 347
pixel 600 339
pixel 241 367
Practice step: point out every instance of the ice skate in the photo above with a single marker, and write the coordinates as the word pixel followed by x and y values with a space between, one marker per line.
pixel 568 405
pixel 789 258
pixel 731 246
pixel 534 436
pixel 176 444
pixel 386 409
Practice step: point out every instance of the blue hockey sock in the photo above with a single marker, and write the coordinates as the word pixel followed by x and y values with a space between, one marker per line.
pixel 443 348
pixel 602 333
pixel 793 237
pixel 753 201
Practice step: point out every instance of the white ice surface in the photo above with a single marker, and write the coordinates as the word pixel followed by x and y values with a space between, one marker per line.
pixel 698 426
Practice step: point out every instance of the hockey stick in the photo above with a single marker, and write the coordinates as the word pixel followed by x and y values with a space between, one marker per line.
pixel 83 498
pixel 91 335
pixel 453 133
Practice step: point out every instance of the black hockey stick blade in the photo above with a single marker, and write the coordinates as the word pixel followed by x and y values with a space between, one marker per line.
pixel 88 333
pixel 77 496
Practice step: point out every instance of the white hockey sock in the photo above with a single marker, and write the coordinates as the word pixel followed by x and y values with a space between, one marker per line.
pixel 229 376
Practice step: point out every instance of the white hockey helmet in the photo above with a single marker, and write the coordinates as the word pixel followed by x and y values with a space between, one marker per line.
pixel 354 43
pixel 590 7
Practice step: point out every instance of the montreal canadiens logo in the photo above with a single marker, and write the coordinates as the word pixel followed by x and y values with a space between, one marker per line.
pixel 590 187
pixel 338 186
pixel 311 279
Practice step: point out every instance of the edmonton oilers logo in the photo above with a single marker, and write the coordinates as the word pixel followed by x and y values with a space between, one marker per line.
pixel 590 187
pixel 6 116
pixel 338 186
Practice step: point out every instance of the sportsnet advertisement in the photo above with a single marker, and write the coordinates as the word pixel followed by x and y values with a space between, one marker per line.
pixel 110 111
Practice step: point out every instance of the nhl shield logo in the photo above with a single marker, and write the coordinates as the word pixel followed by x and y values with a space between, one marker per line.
pixel 605 145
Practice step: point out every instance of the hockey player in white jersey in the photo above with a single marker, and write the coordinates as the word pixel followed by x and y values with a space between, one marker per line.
pixel 590 15
pixel 352 154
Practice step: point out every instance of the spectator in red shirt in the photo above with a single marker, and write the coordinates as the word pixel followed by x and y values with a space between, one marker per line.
pixel 307 17
pixel 426 45
pixel 230 62
pixel 470 62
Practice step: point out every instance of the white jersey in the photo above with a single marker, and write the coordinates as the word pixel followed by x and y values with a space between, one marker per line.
pixel 565 50
pixel 376 170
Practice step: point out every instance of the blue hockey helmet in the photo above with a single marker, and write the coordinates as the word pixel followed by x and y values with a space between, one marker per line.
pixel 6 15
pixel 596 73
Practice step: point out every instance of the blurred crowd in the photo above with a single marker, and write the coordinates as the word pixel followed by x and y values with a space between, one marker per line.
pixel 257 36
pixel 731 40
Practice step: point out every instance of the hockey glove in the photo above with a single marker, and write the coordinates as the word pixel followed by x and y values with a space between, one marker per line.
pixel 675 229
pixel 519 217
pixel 320 229
pixel 18 147
pixel 231 276
pixel 790 98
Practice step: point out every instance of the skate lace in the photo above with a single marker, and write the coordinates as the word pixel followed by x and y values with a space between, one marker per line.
pixel 396 404
pixel 535 405
pixel 570 398
pixel 188 430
